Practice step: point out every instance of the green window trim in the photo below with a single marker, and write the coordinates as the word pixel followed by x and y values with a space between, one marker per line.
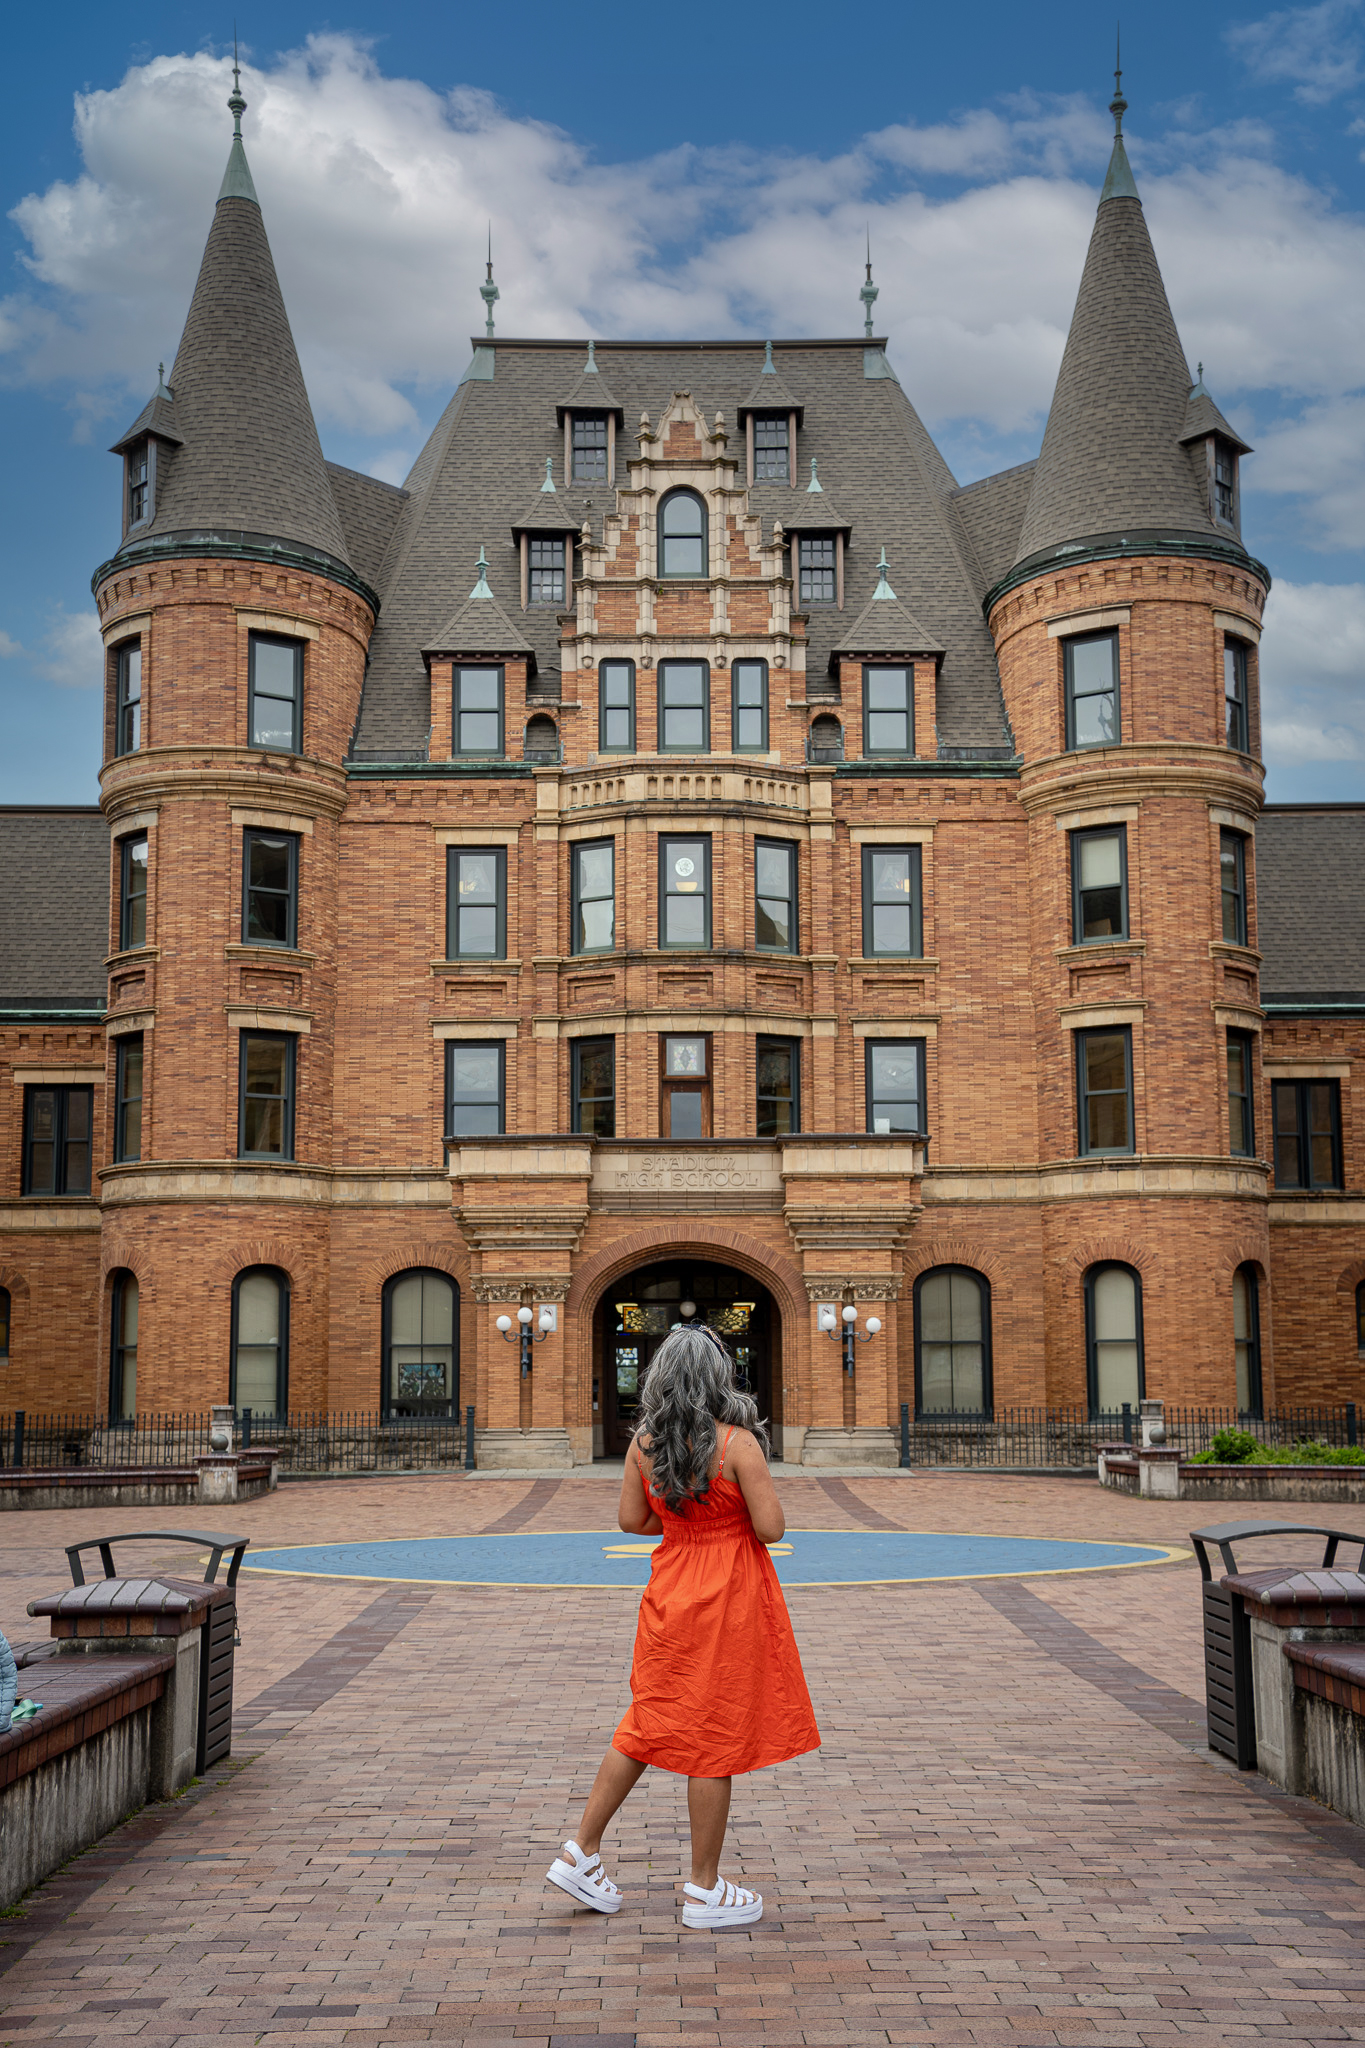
pixel 684 886
pixel 476 1098
pixel 593 1087
pixel 966 1340
pixel 59 1123
pixel 1104 1078
pixel 1241 1095
pixel 777 1086
pixel 1232 876
pixel 683 539
pixel 267 1072
pixel 895 1099
pixel 248 1338
pixel 1306 1133
pixel 592 882
pixel 477 710
pixel 129 1082
pixel 1099 885
pixel 749 707
pixel 893 905
pixel 889 710
pixel 274 693
pixel 270 887
pixel 777 923
pixel 1090 668
pixel 476 903
pixel 684 689
pixel 1105 1306
pixel 616 707
pixel 128 697
pixel 133 872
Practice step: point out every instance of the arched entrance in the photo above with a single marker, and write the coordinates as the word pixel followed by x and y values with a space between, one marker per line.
pixel 637 1312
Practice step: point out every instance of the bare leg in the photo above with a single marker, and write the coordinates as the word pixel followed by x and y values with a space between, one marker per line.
pixel 617 1777
pixel 708 1809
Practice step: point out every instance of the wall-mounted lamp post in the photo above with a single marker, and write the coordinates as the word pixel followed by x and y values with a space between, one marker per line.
pixel 545 1321
pixel 843 1325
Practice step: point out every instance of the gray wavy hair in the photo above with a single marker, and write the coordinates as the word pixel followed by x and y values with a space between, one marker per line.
pixel 688 1389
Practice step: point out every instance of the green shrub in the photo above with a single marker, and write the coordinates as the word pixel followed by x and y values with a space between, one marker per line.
pixel 1240 1447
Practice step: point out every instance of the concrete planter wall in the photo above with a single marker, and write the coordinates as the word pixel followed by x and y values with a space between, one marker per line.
pixel 1342 1483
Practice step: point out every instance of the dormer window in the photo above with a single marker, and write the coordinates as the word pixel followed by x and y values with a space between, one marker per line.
pixel 589 448
pixel 139 488
pixel 772 448
pixel 546 570
pixel 682 535
pixel 1225 483
pixel 817 558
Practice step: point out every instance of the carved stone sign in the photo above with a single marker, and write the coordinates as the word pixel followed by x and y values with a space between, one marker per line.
pixel 671 1170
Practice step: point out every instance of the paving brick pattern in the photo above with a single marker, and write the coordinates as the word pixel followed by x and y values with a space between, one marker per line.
pixel 1012 1833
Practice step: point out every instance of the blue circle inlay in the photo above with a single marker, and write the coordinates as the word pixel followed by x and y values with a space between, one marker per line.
pixel 806 1557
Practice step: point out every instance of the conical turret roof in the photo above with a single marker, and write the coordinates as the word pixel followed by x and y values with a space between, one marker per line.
pixel 1112 460
pixel 251 463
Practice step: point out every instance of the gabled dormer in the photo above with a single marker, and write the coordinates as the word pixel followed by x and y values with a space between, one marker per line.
pixel 544 537
pixel 590 417
pixel 1216 452
pixel 771 419
pixel 146 447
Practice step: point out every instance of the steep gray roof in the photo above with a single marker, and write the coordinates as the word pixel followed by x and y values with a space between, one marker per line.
pixel 1111 460
pixel 590 392
pixel 886 626
pixel 251 462
pixel 480 626
pixel 769 394
pixel 156 417
pixel 1202 418
pixel 368 509
pixel 992 512
pixel 54 908
pixel 1310 907
pixel 877 463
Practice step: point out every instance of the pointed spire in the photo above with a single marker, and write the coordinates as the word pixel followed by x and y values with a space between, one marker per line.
pixel 1119 183
pixel 883 593
pixel 488 291
pixel 481 588
pixel 590 367
pixel 237 183
pixel 869 293
pixel 549 483
pixel 815 483
pixel 769 367
pixel 161 391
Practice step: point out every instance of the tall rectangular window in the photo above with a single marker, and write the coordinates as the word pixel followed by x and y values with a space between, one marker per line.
pixel 1104 1088
pixel 1232 867
pixel 1307 1119
pixel 128 697
pixel 888 711
pixel 1241 1119
pixel 132 913
pixel 778 1075
pixel 476 710
pixel 1225 483
pixel 128 1098
pixel 892 923
pixel 1235 695
pixel 685 893
pixel 594 1087
pixel 476 1088
pixel 58 1123
pixel 1099 885
pixel 275 693
pixel 816 554
pixel 265 1116
pixel 137 484
pixel 684 707
pixel 616 707
pixel 547 571
pixel 775 918
pixel 1091 667
pixel 270 888
pixel 895 1086
pixel 594 896
pixel 749 707
pixel 772 449
pixel 685 1111
pixel 589 443
pixel 476 903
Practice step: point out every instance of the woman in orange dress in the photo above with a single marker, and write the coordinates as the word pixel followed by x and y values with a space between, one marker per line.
pixel 717 1686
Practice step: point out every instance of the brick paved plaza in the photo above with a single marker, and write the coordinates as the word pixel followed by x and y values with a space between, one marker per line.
pixel 1013 1833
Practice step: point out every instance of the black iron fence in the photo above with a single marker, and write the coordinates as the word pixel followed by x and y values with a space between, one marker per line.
pixel 1071 1437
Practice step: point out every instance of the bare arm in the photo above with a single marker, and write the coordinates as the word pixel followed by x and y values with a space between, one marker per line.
pixel 635 1515
pixel 749 1469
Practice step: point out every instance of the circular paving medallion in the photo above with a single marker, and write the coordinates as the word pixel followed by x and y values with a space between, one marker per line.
pixel 806 1557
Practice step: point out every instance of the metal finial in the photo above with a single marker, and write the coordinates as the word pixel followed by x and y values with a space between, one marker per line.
pixel 1118 106
pixel 481 587
pixel 869 293
pixel 769 368
pixel 883 590
pixel 490 294
pixel 815 483
pixel 549 483
pixel 1201 373
pixel 590 367
pixel 236 104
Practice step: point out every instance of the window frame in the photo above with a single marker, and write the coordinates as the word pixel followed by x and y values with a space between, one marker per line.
pixel 118 1349
pixel 1237 652
pixel 738 746
pixel 1247 1272
pixel 660 538
pixel 1360 1316
pixel 907 669
pixel 671 1084
pixel 1078 838
pixel 1069 645
pixel 871 1045
pixel 1092 1370
pixel 1246 1040
pixel 1303 1137
pixel 63 1090
pixel 387 1407
pixel 987 1410
pixel 665 840
pixel 138 467
pixel 454 855
pixel 6 1324
pixel 128 898
pixel 604 709
pixel 577 1046
pixel 804 600
pixel 278 1274
pixel 127 709
pixel 1084 1148
pixel 1223 451
pixel 534 569
pixel 916 853
pixel 663 707
pixel 792 1047
pixel 585 418
pixel 577 848
pixel 289 943
pixel 285 1156
pixel 458 671
pixel 791 849
pixel 1228 837
pixel 122 1099
pixel 253 641
pixel 774 419
pixel 455 1045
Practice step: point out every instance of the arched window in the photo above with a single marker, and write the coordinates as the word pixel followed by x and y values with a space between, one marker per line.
pixel 123 1349
pixel 4 1325
pixel 542 739
pixel 952 1342
pixel 421 1344
pixel 259 1378
pixel 1246 1333
pixel 1113 1339
pixel 826 741
pixel 682 535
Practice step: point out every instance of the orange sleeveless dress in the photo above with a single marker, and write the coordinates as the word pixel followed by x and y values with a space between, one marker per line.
pixel 716 1684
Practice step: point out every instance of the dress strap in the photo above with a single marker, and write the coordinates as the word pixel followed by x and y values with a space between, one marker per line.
pixel 724 1448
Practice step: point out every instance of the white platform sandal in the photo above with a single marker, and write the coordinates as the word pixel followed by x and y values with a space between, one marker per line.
pixel 728 1905
pixel 584 1879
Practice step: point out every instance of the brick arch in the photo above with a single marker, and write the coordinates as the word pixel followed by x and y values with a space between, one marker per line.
pixel 1350 1277
pixel 261 1251
pixel 1246 1253
pixel 441 1258
pixel 954 1251
pixel 124 1258
pixel 1105 1251
pixel 13 1279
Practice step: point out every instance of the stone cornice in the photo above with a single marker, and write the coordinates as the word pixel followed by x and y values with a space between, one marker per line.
pixel 258 1182
pixel 313 788
pixel 1142 768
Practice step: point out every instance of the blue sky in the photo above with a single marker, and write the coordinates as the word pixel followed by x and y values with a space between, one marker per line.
pixel 654 173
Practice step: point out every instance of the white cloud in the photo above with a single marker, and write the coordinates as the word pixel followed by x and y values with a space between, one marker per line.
pixel 74 651
pixel 1319 457
pixel 1313 673
pixel 1310 48
pixel 10 647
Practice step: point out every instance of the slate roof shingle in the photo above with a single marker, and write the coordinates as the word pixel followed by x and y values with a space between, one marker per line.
pixel 1310 908
pixel 54 908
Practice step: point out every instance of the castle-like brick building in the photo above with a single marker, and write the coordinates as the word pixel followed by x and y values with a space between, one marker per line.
pixel 681 852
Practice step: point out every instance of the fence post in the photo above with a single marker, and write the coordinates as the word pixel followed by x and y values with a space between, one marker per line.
pixel 18 1438
pixel 905 1435
pixel 1351 1436
pixel 1127 1423
pixel 246 1429
pixel 469 1439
